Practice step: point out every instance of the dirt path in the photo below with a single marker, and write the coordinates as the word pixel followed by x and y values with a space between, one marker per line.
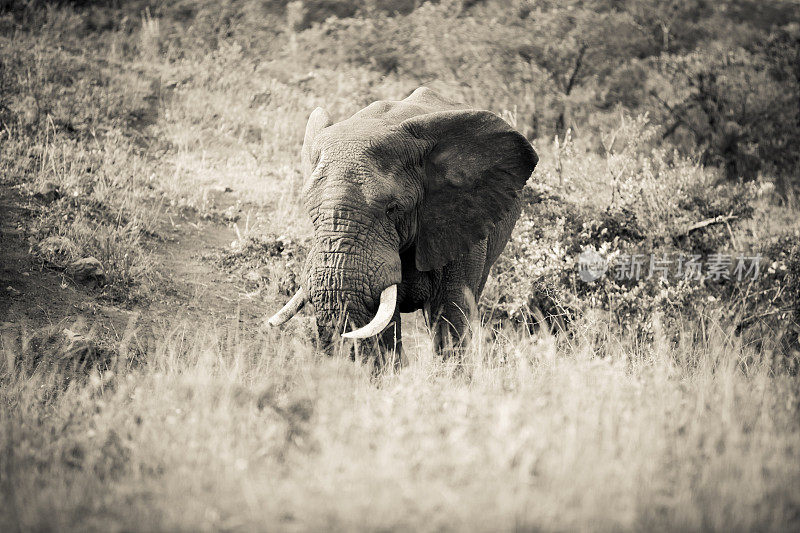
pixel 31 292
pixel 197 287
pixel 191 287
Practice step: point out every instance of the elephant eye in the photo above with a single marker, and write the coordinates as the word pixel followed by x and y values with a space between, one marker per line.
pixel 392 209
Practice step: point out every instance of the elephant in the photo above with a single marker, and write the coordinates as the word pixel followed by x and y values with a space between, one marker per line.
pixel 411 201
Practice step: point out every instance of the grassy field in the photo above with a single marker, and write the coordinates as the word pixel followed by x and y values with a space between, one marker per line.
pixel 236 431
pixel 185 413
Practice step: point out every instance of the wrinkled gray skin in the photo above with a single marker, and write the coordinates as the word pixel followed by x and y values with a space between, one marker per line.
pixel 423 193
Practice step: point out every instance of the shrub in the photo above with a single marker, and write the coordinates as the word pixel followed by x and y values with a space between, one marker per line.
pixel 267 261
pixel 663 211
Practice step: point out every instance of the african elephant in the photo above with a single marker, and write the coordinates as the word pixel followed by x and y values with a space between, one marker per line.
pixel 412 202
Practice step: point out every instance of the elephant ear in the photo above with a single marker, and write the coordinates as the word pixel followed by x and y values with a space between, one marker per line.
pixel 318 120
pixel 474 165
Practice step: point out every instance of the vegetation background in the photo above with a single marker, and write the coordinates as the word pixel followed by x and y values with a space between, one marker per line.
pixel 149 183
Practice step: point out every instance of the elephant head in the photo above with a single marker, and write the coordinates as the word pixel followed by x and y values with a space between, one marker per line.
pixel 395 193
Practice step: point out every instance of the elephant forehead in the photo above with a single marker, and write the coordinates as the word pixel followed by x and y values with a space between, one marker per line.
pixel 368 155
pixel 359 161
pixel 347 181
pixel 344 153
pixel 371 141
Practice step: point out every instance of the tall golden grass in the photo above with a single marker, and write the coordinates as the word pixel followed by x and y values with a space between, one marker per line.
pixel 238 430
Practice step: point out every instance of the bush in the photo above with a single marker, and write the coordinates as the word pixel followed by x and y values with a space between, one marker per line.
pixel 267 261
pixel 662 213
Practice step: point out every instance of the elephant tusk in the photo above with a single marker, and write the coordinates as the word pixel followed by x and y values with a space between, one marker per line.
pixel 382 317
pixel 290 309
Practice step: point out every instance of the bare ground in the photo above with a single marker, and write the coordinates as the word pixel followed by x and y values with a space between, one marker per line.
pixel 189 285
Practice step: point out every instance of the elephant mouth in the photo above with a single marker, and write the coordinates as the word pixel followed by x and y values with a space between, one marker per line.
pixel 384 314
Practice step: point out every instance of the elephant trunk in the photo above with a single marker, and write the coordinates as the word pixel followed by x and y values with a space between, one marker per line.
pixel 345 284
pixel 338 284
pixel 350 264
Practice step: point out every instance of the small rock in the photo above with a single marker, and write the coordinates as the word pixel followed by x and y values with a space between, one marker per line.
pixel 49 192
pixel 260 99
pixel 88 270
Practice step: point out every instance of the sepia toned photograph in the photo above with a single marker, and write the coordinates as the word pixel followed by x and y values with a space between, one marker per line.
pixel 399 265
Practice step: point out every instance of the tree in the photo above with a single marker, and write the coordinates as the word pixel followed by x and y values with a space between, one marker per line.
pixel 575 44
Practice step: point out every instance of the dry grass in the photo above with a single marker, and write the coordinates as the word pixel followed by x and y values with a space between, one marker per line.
pixel 239 429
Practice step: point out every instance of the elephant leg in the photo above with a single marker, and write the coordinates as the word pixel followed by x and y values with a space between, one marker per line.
pixel 455 302
pixel 450 321
pixel 385 350
pixel 450 332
